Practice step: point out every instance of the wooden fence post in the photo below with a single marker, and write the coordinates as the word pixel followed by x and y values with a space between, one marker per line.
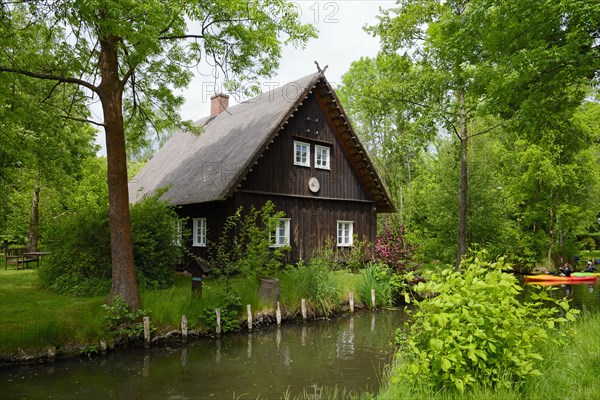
pixel 249 311
pixel 278 314
pixel 373 297
pixel 304 311
pixel 147 331
pixel 351 301
pixel 184 328
pixel 218 328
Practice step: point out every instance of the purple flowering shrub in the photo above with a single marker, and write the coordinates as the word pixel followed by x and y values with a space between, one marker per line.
pixel 392 248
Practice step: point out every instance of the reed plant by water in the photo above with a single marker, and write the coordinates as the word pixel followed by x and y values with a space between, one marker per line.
pixel 316 283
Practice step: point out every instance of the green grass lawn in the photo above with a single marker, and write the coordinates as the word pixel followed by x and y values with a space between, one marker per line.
pixel 33 318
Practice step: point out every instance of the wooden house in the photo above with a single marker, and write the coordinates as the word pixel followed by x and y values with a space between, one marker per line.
pixel 293 145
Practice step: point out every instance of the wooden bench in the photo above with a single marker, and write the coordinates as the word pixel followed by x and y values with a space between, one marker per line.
pixel 15 256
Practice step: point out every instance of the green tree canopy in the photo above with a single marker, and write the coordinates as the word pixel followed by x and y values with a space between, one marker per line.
pixel 131 56
pixel 519 62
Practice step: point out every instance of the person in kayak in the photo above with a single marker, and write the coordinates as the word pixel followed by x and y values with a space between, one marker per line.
pixel 566 270
pixel 589 267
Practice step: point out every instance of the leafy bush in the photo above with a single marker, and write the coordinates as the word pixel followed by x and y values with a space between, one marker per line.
pixel 230 307
pixel 357 256
pixel 588 243
pixel 245 245
pixel 79 259
pixel 472 328
pixel 224 255
pixel 154 250
pixel 315 283
pixel 259 259
pixel 393 249
pixel 121 322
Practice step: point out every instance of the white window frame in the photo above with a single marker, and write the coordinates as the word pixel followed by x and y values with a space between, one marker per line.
pixel 345 233
pixel 325 162
pixel 301 163
pixel 199 232
pixel 178 232
pixel 275 236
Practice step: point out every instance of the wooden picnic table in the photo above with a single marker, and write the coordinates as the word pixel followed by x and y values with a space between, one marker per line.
pixel 33 255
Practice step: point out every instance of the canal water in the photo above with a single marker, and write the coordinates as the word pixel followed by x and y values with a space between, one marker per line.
pixel 349 352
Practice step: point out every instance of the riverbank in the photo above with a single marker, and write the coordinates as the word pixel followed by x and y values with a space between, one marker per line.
pixel 569 371
pixel 38 325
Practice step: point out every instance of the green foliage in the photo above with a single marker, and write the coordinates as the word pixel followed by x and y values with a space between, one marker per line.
pixel 316 283
pixel 122 323
pixel 245 245
pixel 152 47
pixel 79 261
pixel 224 255
pixel 230 307
pixel 588 243
pixel 356 256
pixel 325 255
pixel 376 276
pixel 154 251
pixel 471 328
pixel 39 149
pixel 374 93
pixel 260 259
pixel 436 203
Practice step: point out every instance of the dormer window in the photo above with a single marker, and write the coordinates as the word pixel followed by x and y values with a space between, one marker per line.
pixel 301 154
pixel 322 157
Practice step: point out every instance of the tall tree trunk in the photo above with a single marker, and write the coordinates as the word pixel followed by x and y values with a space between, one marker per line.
pixel 410 191
pixel 34 221
pixel 110 91
pixel 464 184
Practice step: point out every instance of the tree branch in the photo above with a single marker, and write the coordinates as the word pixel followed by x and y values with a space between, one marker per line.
pixel 50 77
pixel 453 127
pixel 484 131
pixel 89 121
pixel 176 37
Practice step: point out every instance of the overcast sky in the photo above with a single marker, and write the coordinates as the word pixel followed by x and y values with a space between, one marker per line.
pixel 341 40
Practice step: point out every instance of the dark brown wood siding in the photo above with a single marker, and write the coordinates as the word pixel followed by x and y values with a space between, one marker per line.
pixel 314 220
pixel 313 216
pixel 215 214
pixel 276 172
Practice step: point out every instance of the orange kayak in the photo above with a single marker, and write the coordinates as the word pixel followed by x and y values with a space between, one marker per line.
pixel 560 279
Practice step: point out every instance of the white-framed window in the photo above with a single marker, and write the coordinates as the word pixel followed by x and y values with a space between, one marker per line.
pixel 199 232
pixel 344 233
pixel 322 157
pixel 281 235
pixel 178 233
pixel 301 154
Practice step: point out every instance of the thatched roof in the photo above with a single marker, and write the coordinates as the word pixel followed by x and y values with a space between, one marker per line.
pixel 198 169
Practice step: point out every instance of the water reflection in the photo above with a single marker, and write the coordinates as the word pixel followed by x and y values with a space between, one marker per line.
pixel 582 296
pixel 345 341
pixel 348 352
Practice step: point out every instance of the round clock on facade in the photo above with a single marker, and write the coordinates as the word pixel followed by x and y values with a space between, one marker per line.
pixel 313 185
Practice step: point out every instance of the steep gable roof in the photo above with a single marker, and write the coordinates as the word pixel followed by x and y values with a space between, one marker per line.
pixel 209 167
